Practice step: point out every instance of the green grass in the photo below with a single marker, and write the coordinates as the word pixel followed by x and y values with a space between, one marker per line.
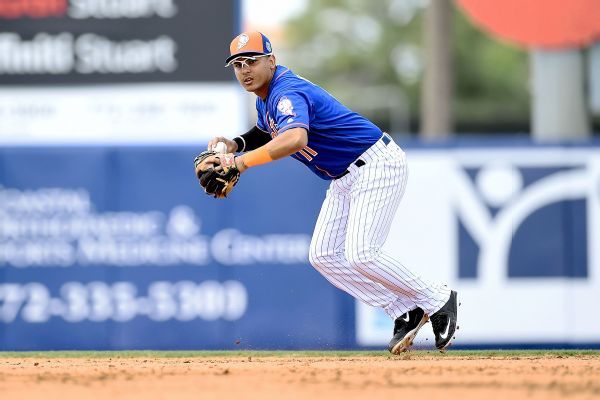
pixel 291 354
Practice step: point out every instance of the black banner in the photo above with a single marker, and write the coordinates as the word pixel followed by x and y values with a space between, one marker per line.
pixel 115 41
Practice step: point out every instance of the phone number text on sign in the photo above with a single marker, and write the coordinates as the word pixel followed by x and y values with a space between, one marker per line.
pixel 122 301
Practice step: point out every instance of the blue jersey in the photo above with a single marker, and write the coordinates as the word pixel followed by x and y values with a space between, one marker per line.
pixel 336 135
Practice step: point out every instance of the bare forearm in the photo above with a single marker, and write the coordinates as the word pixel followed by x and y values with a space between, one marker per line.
pixel 281 146
pixel 287 144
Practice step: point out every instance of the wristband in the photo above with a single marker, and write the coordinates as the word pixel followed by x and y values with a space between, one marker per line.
pixel 256 157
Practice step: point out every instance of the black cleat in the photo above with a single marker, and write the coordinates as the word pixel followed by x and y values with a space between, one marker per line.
pixel 405 330
pixel 444 323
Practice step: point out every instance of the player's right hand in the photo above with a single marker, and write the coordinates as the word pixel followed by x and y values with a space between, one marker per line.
pixel 231 145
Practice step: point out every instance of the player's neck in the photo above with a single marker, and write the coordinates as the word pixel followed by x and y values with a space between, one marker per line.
pixel 263 91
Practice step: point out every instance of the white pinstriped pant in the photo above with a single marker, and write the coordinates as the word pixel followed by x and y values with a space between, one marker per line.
pixel 353 225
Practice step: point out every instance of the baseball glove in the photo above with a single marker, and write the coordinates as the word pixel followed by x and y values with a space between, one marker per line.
pixel 219 179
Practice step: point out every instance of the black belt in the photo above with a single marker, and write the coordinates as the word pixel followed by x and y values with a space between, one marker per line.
pixel 386 139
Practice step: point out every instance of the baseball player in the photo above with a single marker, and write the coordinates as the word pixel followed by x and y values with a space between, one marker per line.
pixel 368 174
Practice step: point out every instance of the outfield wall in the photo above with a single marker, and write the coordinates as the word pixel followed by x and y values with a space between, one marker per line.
pixel 118 248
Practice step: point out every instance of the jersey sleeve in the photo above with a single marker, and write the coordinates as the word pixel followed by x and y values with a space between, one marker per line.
pixel 292 111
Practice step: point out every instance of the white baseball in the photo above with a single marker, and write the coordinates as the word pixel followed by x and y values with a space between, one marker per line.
pixel 220 147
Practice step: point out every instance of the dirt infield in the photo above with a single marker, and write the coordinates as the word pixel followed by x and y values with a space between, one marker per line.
pixel 303 376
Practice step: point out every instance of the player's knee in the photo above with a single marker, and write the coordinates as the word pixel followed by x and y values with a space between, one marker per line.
pixel 316 257
pixel 313 259
pixel 320 256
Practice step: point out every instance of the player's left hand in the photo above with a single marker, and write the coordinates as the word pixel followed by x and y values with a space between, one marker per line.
pixel 217 173
pixel 205 161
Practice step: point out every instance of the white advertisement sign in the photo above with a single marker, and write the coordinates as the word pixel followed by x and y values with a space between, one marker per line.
pixel 144 113
pixel 516 231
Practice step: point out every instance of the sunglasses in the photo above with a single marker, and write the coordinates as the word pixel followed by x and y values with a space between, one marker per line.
pixel 247 61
